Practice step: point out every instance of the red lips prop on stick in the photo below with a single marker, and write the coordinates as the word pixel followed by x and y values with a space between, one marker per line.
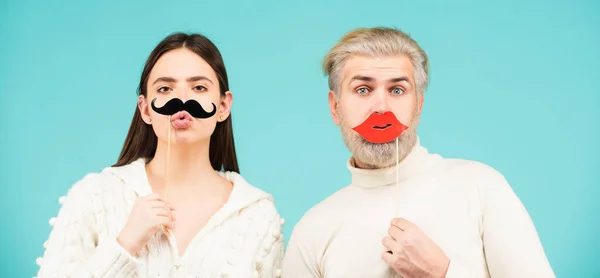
pixel 380 128
pixel 383 128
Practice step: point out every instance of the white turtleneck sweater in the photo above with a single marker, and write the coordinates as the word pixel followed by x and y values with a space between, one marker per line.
pixel 466 207
pixel 242 239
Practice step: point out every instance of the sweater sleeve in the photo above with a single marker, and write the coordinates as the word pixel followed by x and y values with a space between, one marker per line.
pixel 456 270
pixel 271 251
pixel 300 260
pixel 74 248
pixel 269 255
pixel 511 243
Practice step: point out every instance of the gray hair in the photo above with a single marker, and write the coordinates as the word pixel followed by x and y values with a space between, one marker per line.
pixel 374 42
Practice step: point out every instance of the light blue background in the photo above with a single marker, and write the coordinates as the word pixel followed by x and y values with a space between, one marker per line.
pixel 514 84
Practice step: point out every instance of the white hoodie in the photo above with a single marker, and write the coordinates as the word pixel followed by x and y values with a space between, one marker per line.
pixel 242 239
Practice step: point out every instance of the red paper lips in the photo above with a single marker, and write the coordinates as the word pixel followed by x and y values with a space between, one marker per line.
pixel 380 128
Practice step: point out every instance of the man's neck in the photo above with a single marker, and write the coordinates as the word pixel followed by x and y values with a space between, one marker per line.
pixel 361 165
pixel 411 164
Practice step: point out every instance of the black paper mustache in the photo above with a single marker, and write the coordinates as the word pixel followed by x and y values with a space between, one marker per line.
pixel 191 106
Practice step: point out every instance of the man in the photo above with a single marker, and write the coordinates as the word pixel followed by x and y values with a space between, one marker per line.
pixel 407 212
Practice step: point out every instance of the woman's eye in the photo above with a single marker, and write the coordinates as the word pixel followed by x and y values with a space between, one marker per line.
pixel 362 91
pixel 200 88
pixel 163 89
pixel 397 91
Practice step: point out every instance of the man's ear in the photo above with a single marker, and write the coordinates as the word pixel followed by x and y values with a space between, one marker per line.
pixel 420 100
pixel 225 107
pixel 333 107
pixel 143 106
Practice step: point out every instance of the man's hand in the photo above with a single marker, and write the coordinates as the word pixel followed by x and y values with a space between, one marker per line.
pixel 411 253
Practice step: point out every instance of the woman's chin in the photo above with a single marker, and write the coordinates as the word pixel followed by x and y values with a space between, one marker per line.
pixel 188 138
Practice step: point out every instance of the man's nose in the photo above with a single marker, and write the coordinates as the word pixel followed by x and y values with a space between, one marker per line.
pixel 380 101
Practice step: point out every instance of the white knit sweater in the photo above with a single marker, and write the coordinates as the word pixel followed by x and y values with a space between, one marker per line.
pixel 467 208
pixel 243 239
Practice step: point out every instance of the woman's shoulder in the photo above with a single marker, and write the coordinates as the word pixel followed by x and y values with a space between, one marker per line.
pixel 90 186
pixel 109 181
pixel 254 200
pixel 82 196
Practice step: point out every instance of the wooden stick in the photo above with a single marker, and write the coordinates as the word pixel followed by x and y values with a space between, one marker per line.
pixel 168 160
pixel 165 229
pixel 397 183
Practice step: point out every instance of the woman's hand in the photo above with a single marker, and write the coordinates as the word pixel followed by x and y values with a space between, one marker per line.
pixel 148 214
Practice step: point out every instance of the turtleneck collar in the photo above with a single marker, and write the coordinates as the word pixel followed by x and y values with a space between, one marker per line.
pixel 417 160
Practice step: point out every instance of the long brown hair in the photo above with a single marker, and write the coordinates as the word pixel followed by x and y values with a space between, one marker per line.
pixel 141 141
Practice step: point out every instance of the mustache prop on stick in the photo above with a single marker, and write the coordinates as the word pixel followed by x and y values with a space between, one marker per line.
pixel 169 109
pixel 191 106
pixel 381 128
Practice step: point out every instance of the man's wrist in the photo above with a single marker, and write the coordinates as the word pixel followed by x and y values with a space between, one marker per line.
pixel 443 269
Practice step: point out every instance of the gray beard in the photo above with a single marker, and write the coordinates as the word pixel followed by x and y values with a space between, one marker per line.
pixel 379 155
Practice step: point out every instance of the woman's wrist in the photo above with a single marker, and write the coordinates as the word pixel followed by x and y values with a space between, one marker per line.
pixel 128 247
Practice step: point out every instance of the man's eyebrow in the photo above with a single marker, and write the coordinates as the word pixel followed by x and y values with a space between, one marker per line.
pixel 399 79
pixel 362 78
pixel 371 79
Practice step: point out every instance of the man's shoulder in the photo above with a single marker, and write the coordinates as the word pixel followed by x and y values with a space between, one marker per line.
pixel 471 168
pixel 472 176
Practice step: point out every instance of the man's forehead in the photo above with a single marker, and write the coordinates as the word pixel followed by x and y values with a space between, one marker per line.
pixel 377 68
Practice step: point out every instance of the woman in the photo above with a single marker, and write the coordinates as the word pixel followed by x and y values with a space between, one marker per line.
pixel 174 205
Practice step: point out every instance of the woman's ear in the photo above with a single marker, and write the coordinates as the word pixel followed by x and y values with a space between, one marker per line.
pixel 143 106
pixel 225 107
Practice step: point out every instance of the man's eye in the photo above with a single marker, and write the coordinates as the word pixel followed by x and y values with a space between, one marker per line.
pixel 397 91
pixel 362 91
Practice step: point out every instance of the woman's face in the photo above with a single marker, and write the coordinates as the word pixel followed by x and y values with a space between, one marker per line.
pixel 182 74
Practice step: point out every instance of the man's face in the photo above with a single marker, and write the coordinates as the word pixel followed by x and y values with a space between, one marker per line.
pixel 376 85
